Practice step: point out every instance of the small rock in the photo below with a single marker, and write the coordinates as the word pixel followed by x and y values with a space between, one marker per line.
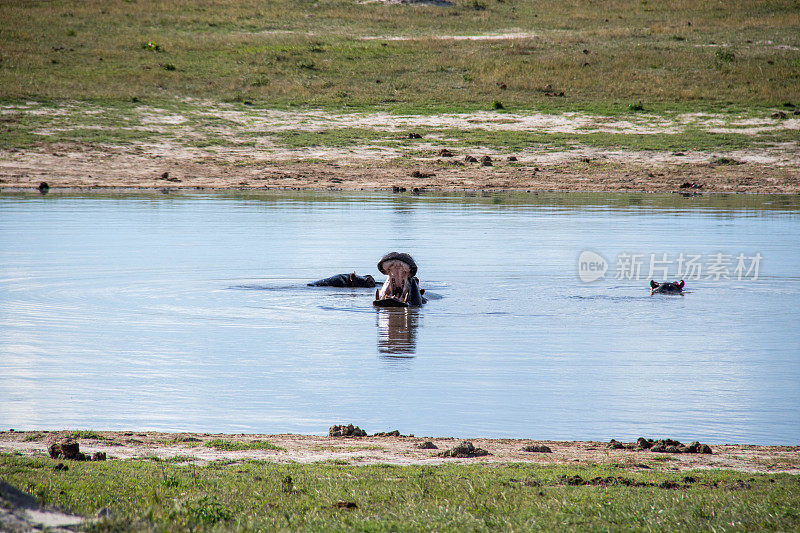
pixel 643 443
pixel 512 158
pixel 60 467
pixel 486 161
pixel 346 431
pixel 165 176
pixel 465 449
pixel 573 480
pixel 427 445
pixel 43 188
pixel 689 479
pixel 99 456
pixel 395 188
pixel 444 152
pixel 414 136
pixel 615 445
pixel 470 159
pixel 395 433
pixel 537 448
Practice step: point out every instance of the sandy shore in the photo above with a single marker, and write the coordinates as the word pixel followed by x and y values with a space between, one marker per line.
pixel 89 167
pixel 403 450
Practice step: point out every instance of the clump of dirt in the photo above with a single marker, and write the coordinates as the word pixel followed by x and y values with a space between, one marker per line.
pixel 70 449
pixel 394 433
pixel 464 450
pixel 661 446
pixel 671 446
pixel 537 448
pixel 346 431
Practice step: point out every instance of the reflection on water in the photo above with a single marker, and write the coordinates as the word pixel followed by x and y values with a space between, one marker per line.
pixel 397 331
pixel 191 312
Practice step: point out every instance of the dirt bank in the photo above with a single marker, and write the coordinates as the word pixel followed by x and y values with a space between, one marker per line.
pixel 208 145
pixel 76 166
pixel 198 448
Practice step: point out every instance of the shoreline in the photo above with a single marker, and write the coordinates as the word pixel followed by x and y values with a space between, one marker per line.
pixel 90 168
pixel 133 189
pixel 205 448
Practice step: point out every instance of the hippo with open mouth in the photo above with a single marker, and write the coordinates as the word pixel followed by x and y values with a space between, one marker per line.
pixel 668 287
pixel 345 280
pixel 402 287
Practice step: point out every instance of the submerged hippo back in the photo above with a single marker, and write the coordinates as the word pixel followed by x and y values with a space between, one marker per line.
pixel 345 280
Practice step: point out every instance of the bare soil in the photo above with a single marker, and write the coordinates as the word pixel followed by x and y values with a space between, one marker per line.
pixel 191 447
pixel 78 166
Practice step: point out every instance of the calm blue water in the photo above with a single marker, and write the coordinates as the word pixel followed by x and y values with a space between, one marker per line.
pixel 190 312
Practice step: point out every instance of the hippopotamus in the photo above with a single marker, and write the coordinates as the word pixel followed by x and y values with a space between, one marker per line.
pixel 668 287
pixel 401 288
pixel 345 280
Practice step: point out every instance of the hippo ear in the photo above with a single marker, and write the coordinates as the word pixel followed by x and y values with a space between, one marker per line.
pixel 653 284
pixel 681 284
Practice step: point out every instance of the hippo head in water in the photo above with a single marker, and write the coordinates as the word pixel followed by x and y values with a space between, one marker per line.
pixel 402 287
pixel 668 287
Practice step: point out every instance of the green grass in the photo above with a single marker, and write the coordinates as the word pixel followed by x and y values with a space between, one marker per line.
pixel 253 495
pixel 284 53
pixel 95 73
pixel 85 434
pixel 231 446
pixel 200 126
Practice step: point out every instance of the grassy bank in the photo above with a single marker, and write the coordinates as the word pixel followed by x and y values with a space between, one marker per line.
pixel 604 56
pixel 250 495
pixel 207 126
pixel 111 92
